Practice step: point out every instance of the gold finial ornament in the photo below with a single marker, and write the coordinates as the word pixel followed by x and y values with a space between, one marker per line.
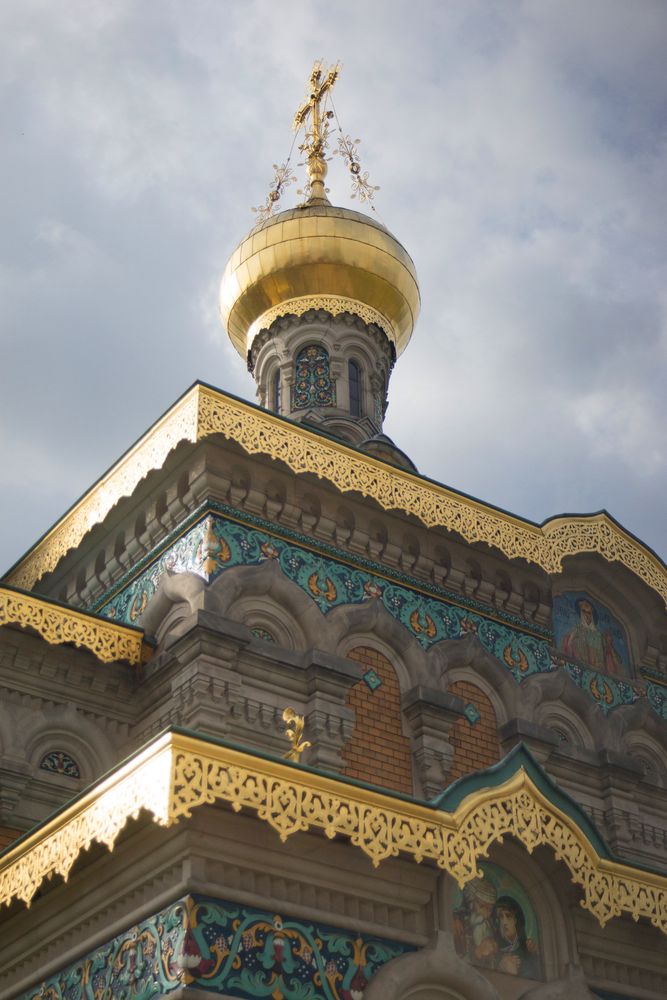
pixel 318 256
pixel 315 143
pixel 294 731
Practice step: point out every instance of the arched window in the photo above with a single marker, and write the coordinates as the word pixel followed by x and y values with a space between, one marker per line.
pixel 60 762
pixel 276 391
pixel 354 378
pixel 313 385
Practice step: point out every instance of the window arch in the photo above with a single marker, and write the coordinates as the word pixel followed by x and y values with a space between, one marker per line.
pixel 276 391
pixel 313 384
pixel 354 380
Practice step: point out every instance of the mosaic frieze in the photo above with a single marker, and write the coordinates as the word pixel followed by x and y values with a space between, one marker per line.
pixel 227 949
pixel 215 544
pixel 495 926
pixel 586 632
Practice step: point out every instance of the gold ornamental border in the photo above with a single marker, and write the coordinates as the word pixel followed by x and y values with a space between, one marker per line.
pixel 57 624
pixel 179 772
pixel 204 411
pixel 333 304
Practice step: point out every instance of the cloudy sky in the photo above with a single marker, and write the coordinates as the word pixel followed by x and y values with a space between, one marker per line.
pixel 521 150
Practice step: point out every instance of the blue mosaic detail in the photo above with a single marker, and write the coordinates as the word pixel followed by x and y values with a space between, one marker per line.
pixel 472 713
pixel 215 544
pixel 207 944
pixel 313 385
pixel 60 762
pixel 607 691
pixel 262 633
pixel 373 681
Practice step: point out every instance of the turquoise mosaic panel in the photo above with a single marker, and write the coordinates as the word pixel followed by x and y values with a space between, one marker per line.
pixel 215 544
pixel 313 385
pixel 203 943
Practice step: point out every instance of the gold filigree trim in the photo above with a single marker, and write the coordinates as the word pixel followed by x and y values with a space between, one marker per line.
pixel 334 304
pixel 57 624
pixel 150 452
pixel 177 773
pixel 205 411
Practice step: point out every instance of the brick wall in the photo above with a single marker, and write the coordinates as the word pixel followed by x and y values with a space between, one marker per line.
pixel 475 746
pixel 377 751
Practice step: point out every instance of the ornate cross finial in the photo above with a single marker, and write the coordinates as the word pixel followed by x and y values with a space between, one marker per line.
pixel 316 136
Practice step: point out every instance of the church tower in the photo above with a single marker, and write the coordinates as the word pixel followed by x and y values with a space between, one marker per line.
pixel 319 300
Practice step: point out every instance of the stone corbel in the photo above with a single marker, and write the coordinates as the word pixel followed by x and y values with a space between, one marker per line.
pixel 431 714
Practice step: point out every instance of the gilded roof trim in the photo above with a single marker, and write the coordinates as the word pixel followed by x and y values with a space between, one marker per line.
pixel 56 623
pixel 178 772
pixel 205 410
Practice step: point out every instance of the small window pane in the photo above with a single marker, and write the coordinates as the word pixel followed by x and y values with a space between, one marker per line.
pixel 354 376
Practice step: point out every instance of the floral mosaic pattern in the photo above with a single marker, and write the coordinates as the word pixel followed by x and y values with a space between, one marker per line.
pixel 313 385
pixel 224 948
pixel 215 544
pixel 60 762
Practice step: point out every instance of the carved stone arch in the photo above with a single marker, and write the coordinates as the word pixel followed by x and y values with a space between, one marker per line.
pixel 264 590
pixel 432 973
pixel 571 987
pixel 642 748
pixel 370 624
pixel 177 597
pixel 347 428
pixel 565 724
pixel 555 696
pixel 467 660
pixel 66 729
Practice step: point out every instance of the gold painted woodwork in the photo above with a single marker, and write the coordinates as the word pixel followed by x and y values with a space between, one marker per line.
pixel 333 304
pixel 57 624
pixel 178 773
pixel 318 250
pixel 204 411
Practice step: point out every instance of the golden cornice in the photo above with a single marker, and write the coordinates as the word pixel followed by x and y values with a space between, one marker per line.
pixel 178 773
pixel 204 411
pixel 57 624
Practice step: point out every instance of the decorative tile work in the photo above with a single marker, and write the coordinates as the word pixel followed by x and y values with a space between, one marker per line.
pixel 215 543
pixel 313 385
pixel 472 713
pixel 60 762
pixel 372 680
pixel 224 948
pixel 262 633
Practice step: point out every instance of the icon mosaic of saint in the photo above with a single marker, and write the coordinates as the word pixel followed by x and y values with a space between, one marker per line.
pixel 585 631
pixel 495 926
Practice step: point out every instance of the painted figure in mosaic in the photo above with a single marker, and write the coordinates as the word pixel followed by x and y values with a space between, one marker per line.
pixel 517 954
pixel 585 642
pixel 494 924
pixel 474 931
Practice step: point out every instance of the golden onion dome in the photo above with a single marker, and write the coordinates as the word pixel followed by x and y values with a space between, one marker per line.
pixel 319 257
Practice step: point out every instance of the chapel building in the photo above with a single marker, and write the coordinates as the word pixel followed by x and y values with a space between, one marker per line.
pixel 283 718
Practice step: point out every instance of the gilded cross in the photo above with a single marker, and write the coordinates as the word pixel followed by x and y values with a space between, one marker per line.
pixel 319 86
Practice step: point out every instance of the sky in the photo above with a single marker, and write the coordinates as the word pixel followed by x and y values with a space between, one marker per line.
pixel 521 154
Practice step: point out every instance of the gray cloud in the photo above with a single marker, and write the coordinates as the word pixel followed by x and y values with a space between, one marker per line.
pixel 521 151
